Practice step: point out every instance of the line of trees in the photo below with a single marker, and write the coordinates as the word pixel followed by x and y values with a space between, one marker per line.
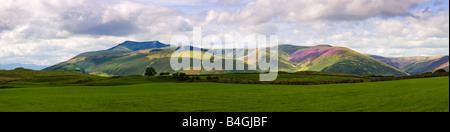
pixel 150 71
pixel 437 73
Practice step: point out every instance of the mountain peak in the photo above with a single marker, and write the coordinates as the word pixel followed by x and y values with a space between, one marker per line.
pixel 324 45
pixel 135 46
pixel 126 47
pixel 134 42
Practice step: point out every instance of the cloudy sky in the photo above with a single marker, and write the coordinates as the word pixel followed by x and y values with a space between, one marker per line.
pixel 45 32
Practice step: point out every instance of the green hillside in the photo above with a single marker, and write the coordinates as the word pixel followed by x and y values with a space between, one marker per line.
pixel 31 78
pixel 131 58
pixel 415 95
pixel 23 90
pixel 417 65
pixel 326 58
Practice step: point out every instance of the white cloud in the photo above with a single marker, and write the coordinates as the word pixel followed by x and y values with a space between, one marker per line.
pixel 305 10
pixel 62 29
pixel 100 17
pixel 392 27
pixel 429 24
pixel 423 25
pixel 176 2
pixel 51 31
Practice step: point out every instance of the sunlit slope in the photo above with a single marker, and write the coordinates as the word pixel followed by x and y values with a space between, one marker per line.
pixel 131 58
pixel 417 65
pixel 338 60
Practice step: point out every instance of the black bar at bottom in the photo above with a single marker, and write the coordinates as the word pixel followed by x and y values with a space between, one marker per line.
pixel 221 121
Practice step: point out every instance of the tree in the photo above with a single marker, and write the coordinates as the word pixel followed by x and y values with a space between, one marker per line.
pixel 440 71
pixel 150 71
pixel 182 77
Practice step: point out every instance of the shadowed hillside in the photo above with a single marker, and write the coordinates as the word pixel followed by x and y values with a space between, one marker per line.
pixel 131 58
pixel 417 65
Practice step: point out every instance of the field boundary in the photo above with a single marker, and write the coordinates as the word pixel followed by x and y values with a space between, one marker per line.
pixel 409 77
pixel 366 79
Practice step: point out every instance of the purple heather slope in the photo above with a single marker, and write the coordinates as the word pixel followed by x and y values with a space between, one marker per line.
pixel 310 54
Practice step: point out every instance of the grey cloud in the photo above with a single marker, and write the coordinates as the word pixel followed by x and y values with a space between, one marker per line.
pixel 60 29
pixel 50 31
pixel 113 28
pixel 100 17
pixel 4 27
pixel 305 10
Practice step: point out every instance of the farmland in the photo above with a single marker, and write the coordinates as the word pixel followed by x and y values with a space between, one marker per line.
pixel 86 93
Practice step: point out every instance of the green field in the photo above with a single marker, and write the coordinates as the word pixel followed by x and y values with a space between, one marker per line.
pixel 301 76
pixel 414 95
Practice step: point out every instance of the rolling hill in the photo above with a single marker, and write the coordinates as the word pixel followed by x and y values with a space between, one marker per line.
pixel 416 65
pixel 131 58
pixel 326 58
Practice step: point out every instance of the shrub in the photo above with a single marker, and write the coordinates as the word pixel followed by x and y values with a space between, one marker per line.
pixel 292 83
pixel 368 75
pixel 212 78
pixel 195 78
pixel 164 74
pixel 180 76
pixel 427 73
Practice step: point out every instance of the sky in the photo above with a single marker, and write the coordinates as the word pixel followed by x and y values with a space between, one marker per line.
pixel 46 32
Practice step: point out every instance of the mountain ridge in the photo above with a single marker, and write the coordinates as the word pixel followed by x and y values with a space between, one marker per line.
pixel 125 47
pixel 131 58
pixel 416 64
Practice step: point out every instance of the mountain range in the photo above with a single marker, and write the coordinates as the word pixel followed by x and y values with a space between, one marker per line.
pixel 131 58
pixel 416 65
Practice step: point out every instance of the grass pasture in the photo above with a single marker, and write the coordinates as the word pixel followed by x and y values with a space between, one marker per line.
pixel 74 92
pixel 305 77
